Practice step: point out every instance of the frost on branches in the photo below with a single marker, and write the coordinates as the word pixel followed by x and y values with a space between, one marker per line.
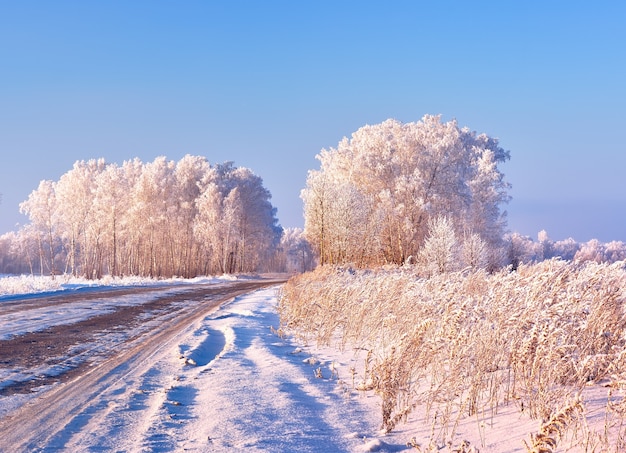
pixel 158 219
pixel 372 199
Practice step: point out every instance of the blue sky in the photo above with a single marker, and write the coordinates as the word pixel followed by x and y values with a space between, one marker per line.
pixel 269 84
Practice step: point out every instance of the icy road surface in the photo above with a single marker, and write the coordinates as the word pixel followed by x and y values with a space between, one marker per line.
pixel 185 376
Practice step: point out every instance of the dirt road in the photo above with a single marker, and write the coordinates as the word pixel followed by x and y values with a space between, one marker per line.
pixel 88 356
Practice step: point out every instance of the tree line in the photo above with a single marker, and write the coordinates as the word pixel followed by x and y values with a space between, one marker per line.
pixel 426 192
pixel 158 219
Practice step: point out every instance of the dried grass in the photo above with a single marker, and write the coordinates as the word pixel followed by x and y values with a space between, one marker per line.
pixel 469 342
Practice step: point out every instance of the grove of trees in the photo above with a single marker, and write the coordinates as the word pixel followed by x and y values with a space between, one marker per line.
pixel 295 254
pixel 377 196
pixel 523 249
pixel 426 192
pixel 159 219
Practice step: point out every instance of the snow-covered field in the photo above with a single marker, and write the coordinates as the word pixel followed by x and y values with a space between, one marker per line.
pixel 12 285
pixel 231 382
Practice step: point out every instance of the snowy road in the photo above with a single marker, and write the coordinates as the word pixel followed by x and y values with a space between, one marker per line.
pixel 56 337
pixel 202 378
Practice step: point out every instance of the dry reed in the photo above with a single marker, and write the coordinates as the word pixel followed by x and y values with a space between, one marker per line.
pixel 468 342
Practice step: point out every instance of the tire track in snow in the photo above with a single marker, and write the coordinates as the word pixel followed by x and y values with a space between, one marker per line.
pixel 54 418
pixel 261 394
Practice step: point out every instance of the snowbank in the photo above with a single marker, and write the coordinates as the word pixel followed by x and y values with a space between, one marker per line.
pixel 12 285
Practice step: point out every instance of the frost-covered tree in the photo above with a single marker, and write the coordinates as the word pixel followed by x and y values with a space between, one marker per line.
pixel 545 245
pixel 190 176
pixel 317 199
pixel 75 196
pixel 110 205
pixel 15 258
pixel 522 249
pixel 474 252
pixel 208 225
pixel 403 174
pixel 566 249
pixel 162 218
pixel 439 253
pixel 296 252
pixel 615 251
pixel 150 216
pixel 41 207
pixel 600 252
pixel 250 216
pixel 230 246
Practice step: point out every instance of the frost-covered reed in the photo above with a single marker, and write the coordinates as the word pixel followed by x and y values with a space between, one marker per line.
pixel 467 343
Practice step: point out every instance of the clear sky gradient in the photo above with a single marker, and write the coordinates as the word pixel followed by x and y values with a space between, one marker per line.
pixel 269 84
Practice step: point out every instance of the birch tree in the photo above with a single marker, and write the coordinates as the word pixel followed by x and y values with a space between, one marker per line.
pixel 41 209
pixel 249 218
pixel 208 225
pixel 74 193
pixel 439 254
pixel 190 175
pixel 317 199
pixel 151 198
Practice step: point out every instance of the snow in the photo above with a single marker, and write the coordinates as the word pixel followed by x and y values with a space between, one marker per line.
pixel 231 382
pixel 36 319
pixel 26 284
